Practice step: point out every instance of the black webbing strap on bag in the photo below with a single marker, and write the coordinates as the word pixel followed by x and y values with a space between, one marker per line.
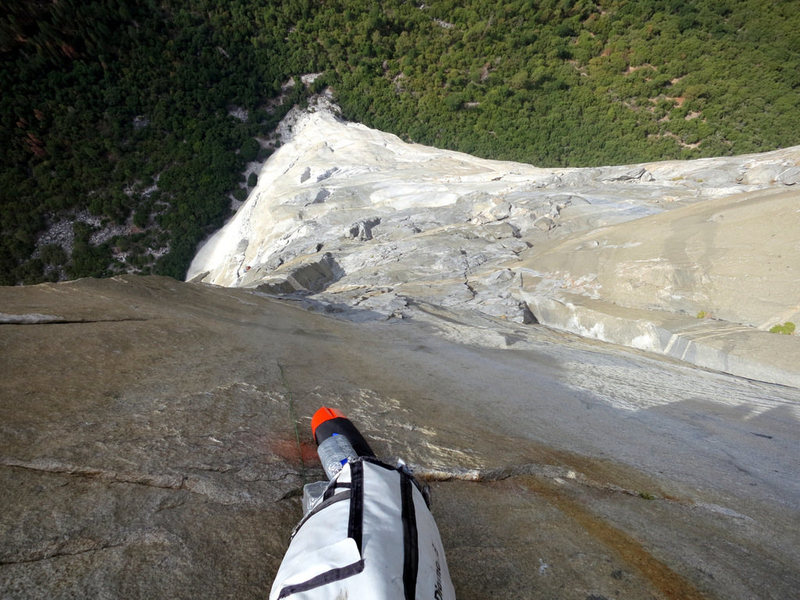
pixel 323 579
pixel 355 524
pixel 410 542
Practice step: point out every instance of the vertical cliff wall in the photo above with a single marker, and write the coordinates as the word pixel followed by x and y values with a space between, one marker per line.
pixel 155 438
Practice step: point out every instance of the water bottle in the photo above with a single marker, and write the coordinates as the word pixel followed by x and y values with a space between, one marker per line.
pixel 334 453
pixel 338 440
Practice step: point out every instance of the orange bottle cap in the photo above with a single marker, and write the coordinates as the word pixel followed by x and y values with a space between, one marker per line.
pixel 322 415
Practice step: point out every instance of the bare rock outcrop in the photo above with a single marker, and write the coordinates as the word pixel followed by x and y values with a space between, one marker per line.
pixel 651 245
pixel 704 283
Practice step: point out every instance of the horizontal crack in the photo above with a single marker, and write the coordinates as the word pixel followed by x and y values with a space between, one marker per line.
pixel 44 555
pixel 427 474
pixel 172 482
pixel 48 320
pixel 559 474
pixel 78 547
pixel 217 492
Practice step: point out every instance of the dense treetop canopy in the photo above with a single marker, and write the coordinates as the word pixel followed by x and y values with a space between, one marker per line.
pixel 130 123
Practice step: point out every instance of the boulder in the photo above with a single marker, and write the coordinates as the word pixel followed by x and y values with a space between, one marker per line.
pixel 362 230
pixel 790 176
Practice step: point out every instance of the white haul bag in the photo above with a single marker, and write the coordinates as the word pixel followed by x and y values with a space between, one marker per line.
pixel 371 536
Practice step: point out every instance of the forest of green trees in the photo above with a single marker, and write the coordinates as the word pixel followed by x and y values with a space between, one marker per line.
pixel 122 110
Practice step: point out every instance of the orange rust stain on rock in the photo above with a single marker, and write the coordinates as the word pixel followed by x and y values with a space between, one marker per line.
pixel 288 450
pixel 669 583
pixel 308 452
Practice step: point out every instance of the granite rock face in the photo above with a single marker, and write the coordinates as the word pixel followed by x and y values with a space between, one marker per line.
pixel 627 254
pixel 155 438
